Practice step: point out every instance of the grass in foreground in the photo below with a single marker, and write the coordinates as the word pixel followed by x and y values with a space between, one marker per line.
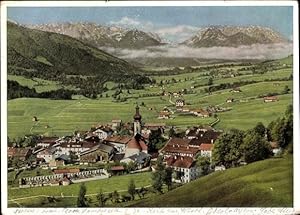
pixel 267 183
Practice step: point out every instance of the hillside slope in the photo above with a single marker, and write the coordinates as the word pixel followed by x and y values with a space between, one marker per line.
pixel 34 53
pixel 267 183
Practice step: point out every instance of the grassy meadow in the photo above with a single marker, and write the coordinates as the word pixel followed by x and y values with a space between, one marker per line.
pixel 60 117
pixel 267 183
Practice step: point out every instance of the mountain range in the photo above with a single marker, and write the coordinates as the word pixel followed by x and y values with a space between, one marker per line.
pixel 230 36
pixel 99 35
pixel 118 37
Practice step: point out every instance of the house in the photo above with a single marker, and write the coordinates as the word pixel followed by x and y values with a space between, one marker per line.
pixel 206 149
pixel 102 132
pixel 46 142
pixel 201 113
pixel 229 100
pixel 180 103
pixel 66 171
pixel 75 147
pixel 100 152
pixel 47 154
pixel 19 153
pixel 116 123
pixel 178 147
pixel 118 142
pixel 220 168
pixel 275 148
pixel 148 127
pixel 271 99
pixel 56 163
pixel 236 90
pixel 203 134
pixel 184 167
pixel 142 159
pixel 117 170
pixel 164 115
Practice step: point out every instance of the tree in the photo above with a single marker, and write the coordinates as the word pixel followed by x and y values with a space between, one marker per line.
pixel 158 175
pixel 227 148
pixel 286 89
pixel 168 177
pixel 204 164
pixel 172 132
pixel 101 198
pixel 260 129
pixel 131 188
pixel 81 200
pixel 210 81
pixel 155 140
pixel 115 196
pixel 255 147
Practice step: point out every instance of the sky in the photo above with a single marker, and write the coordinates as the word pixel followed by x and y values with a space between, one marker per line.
pixel 173 23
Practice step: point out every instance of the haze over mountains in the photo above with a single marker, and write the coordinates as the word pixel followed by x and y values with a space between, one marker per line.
pixel 213 42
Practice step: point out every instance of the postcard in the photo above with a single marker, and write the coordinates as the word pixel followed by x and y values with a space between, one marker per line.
pixel 149 107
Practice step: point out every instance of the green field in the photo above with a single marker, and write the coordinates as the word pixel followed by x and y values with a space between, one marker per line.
pixel 93 187
pixel 267 183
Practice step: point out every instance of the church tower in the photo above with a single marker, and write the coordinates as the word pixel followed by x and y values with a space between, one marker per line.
pixel 137 121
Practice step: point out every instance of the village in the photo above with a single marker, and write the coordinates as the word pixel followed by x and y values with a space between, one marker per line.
pixel 119 148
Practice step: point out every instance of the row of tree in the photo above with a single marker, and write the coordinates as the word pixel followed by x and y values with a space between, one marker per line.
pixel 15 90
pixel 236 146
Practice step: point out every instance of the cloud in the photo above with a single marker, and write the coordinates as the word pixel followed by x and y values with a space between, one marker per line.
pixel 177 33
pixel 256 51
pixel 170 33
pixel 130 23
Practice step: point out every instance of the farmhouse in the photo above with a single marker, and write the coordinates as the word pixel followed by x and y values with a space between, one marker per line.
pixel 275 148
pixel 46 142
pixel 164 115
pixel 101 132
pixel 236 90
pixel 206 149
pixel 201 113
pixel 179 103
pixel 47 154
pixel 184 168
pixel 271 99
pixel 115 123
pixel 99 152
pixel 118 142
pixel 76 147
pixel 141 159
pixel 19 153
pixel 229 100
pixel 178 147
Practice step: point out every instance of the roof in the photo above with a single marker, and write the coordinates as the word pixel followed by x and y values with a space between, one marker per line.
pixel 136 143
pixel 48 139
pixel 18 152
pixel 118 139
pixel 63 157
pixel 118 157
pixel 202 136
pixel 162 113
pixel 117 168
pixel 274 145
pixel 271 98
pixel 201 111
pixel 48 151
pixel 178 141
pixel 101 147
pixel 116 121
pixel 206 146
pixel 180 100
pixel 155 125
pixel 180 161
pixel 140 157
pixel 62 171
